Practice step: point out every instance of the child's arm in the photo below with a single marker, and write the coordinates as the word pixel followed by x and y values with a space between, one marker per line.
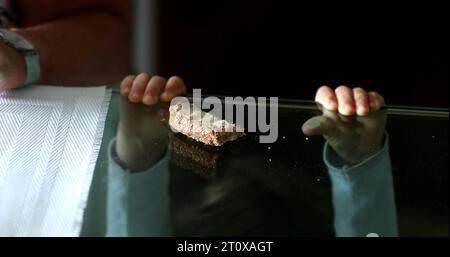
pixel 357 158
pixel 83 42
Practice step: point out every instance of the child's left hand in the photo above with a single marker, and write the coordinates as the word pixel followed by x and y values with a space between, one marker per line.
pixel 354 138
pixel 149 90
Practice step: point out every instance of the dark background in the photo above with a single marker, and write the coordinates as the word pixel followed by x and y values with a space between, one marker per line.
pixel 290 48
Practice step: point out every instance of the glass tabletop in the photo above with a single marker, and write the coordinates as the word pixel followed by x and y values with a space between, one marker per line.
pixel 150 181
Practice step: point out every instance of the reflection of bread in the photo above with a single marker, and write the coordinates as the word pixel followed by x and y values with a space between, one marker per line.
pixel 194 152
pixel 206 128
pixel 194 157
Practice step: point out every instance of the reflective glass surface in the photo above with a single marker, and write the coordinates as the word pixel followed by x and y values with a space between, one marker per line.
pixel 385 174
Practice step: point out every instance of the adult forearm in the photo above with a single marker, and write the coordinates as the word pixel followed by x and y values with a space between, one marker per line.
pixel 83 49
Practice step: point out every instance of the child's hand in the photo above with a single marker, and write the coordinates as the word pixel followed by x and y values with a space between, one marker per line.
pixel 149 90
pixel 349 101
pixel 355 138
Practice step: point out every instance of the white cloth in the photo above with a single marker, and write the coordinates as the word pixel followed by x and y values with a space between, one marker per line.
pixel 49 143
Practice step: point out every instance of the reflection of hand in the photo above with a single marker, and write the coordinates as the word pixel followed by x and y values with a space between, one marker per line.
pixel 141 136
pixel 140 146
pixel 352 138
pixel 12 68
pixel 151 89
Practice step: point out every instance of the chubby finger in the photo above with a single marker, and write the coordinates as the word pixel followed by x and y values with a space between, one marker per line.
pixel 346 103
pixel 138 88
pixel 327 98
pixel 154 89
pixel 175 86
pixel 125 85
pixel 375 101
pixel 361 101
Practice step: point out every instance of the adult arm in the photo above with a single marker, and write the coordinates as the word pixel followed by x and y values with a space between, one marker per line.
pixel 83 42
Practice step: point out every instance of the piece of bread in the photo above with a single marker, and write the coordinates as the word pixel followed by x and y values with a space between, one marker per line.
pixel 201 126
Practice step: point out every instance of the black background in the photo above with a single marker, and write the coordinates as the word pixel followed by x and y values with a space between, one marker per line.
pixel 290 48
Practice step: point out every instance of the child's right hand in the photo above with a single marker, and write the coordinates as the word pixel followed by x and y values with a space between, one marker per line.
pixel 149 90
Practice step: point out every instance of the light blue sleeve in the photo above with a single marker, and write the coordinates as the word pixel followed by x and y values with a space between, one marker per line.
pixel 363 194
pixel 138 204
